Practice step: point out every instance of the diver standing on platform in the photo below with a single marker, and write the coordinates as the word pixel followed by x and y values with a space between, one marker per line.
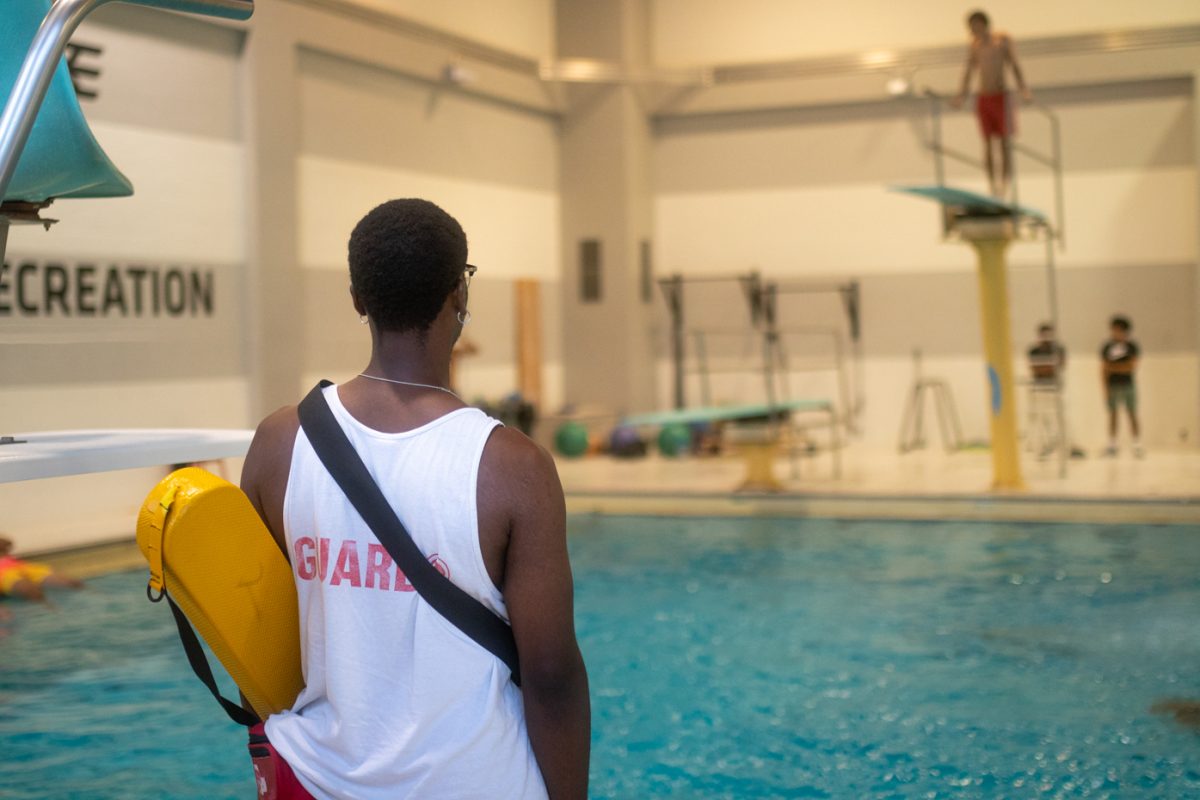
pixel 990 52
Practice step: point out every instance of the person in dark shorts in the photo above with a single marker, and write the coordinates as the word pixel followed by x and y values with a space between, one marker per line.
pixel 1119 359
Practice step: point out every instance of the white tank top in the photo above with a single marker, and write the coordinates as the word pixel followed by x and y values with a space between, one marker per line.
pixel 397 701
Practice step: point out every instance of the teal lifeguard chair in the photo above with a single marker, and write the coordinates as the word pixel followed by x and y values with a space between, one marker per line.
pixel 47 150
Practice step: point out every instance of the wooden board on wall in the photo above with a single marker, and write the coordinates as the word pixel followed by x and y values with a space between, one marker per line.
pixel 528 313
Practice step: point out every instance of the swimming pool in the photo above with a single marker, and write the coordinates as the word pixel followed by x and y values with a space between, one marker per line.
pixel 734 658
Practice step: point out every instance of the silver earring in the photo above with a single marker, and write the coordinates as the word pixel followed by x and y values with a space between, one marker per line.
pixel 464 319
pixel 363 319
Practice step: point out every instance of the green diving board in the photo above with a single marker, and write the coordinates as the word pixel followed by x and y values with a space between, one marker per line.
pixel 61 158
pixel 970 203
pixel 726 413
pixel 758 444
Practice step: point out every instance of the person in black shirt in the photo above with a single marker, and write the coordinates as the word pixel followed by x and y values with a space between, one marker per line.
pixel 1047 358
pixel 1119 359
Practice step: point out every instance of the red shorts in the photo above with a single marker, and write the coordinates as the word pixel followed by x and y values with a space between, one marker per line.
pixel 272 775
pixel 995 116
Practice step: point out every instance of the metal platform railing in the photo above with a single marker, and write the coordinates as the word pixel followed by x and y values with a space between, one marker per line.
pixel 1053 160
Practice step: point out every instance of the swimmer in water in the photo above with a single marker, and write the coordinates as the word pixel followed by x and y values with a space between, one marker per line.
pixel 29 579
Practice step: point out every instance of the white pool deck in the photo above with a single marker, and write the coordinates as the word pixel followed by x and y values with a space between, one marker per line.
pixel 1162 487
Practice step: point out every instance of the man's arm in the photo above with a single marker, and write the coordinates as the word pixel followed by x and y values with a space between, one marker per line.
pixel 267 464
pixel 265 470
pixel 538 591
pixel 972 58
pixel 1010 53
pixel 1126 367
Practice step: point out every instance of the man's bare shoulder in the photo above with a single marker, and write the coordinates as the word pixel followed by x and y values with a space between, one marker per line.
pixel 278 429
pixel 271 448
pixel 513 457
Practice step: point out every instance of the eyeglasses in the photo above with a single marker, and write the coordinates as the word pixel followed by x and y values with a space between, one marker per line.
pixel 468 273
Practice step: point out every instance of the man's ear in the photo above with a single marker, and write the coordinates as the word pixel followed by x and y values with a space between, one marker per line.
pixel 461 295
pixel 358 306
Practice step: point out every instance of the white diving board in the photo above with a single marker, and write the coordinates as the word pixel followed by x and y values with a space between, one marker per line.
pixel 971 203
pixel 53 454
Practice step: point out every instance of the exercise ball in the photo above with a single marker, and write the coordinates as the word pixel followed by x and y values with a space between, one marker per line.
pixel 571 439
pixel 674 439
pixel 624 442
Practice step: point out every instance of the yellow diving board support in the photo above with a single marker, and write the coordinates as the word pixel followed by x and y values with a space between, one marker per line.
pixel 990 225
pixel 757 433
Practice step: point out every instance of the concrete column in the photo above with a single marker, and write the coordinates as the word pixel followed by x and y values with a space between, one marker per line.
pixel 274 324
pixel 606 195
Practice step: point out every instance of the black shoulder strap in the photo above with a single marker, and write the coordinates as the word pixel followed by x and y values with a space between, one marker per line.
pixel 195 657
pixel 348 470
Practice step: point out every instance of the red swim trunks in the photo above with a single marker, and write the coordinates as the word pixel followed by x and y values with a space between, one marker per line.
pixel 272 774
pixel 995 116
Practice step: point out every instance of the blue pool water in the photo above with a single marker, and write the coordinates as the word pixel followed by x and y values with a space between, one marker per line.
pixel 731 659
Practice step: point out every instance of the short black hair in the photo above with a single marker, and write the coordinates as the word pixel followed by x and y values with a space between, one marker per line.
pixel 1121 322
pixel 978 15
pixel 405 257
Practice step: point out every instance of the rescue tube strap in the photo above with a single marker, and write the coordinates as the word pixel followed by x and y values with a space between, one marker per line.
pixel 195 657
pixel 466 613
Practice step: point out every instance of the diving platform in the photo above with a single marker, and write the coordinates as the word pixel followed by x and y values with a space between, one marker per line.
pixel 755 431
pixel 990 224
pixel 745 414
pixel 964 203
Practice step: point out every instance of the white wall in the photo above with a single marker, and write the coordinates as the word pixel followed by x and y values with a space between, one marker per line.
pixel 525 27
pixel 510 229
pixel 370 135
pixel 1113 216
pixel 691 32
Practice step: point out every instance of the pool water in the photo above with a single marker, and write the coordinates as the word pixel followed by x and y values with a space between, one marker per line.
pixel 731 658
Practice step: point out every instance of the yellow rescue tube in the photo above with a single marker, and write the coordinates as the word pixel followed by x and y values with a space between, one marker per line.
pixel 210 551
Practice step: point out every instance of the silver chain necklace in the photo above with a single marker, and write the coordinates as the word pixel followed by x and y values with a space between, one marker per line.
pixel 411 383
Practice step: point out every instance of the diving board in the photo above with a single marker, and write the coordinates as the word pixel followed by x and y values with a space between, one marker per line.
pixel 56 454
pixel 758 437
pixel 726 413
pixel 989 225
pixel 972 204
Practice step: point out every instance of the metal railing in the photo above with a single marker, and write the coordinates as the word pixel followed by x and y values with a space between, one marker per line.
pixel 47 48
pixel 1055 229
